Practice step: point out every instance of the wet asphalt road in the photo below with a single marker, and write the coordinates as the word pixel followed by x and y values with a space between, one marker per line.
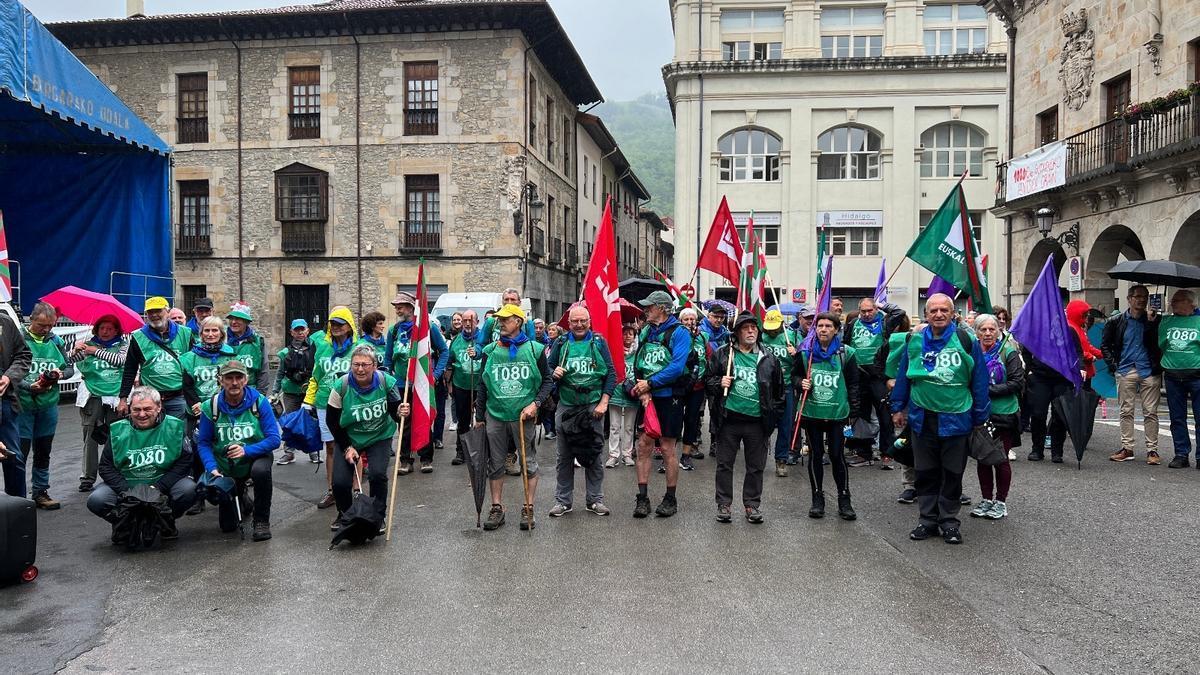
pixel 1093 572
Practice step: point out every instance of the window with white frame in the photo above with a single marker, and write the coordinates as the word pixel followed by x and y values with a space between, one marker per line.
pixel 751 34
pixel 854 241
pixel 955 29
pixel 848 153
pixel 766 229
pixel 749 155
pixel 976 225
pixel 951 149
pixel 851 31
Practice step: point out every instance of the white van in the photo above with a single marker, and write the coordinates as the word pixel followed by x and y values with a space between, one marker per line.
pixel 449 303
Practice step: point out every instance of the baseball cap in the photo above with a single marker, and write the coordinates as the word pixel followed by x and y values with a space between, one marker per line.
pixel 233 366
pixel 773 320
pixel 203 303
pixel 299 323
pixel 338 320
pixel 510 310
pixel 657 298
pixel 157 302
pixel 808 312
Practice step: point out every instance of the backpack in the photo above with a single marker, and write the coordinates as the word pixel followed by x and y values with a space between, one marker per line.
pixel 690 368
pixel 298 365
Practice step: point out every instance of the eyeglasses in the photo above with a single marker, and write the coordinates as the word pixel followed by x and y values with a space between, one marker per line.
pixel 361 365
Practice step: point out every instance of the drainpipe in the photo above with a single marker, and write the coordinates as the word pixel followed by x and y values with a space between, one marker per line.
pixel 240 210
pixel 357 162
pixel 1008 220
pixel 699 144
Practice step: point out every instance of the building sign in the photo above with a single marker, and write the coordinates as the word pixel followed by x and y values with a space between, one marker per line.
pixel 849 218
pixel 761 219
pixel 799 295
pixel 1075 272
pixel 1037 171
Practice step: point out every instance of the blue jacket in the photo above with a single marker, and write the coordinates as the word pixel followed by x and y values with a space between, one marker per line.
pixel 681 347
pixel 949 424
pixel 717 337
pixel 206 433
pixel 436 341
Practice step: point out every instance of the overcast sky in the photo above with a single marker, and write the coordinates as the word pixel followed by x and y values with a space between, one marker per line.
pixel 623 42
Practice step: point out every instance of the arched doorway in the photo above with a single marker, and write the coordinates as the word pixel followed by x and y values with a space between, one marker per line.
pixel 1037 259
pixel 1186 247
pixel 1115 243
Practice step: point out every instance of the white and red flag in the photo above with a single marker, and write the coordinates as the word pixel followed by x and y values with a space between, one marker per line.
pixel 722 252
pixel 600 290
pixel 420 375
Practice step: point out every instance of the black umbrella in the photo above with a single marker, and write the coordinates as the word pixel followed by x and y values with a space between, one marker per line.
pixel 1077 410
pixel 475 451
pixel 1161 272
pixel 578 430
pixel 360 522
pixel 141 518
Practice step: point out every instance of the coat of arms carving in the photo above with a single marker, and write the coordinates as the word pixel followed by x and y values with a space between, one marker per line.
pixel 1075 64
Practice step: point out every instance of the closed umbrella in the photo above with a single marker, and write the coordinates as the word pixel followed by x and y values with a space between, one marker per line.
pixel 475 451
pixel 83 306
pixel 360 522
pixel 1077 410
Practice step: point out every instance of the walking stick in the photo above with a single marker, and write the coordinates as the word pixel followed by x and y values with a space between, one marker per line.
pixel 525 473
pixel 729 366
pixel 392 476
pixel 800 409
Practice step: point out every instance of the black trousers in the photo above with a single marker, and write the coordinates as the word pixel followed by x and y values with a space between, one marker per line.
pixel 465 416
pixel 693 410
pixel 872 397
pixel 826 436
pixel 1038 396
pixel 378 455
pixel 939 463
pixel 260 473
pixel 741 432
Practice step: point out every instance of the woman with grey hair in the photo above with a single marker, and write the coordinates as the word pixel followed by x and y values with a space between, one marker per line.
pixel 1006 381
pixel 38 393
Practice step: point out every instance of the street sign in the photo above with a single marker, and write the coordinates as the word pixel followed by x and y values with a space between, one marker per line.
pixel 799 295
pixel 1075 270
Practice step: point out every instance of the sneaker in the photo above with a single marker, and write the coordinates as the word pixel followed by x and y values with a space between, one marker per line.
pixel 923 532
pixel 598 508
pixel 560 510
pixel 951 536
pixel 908 496
pixel 845 510
pixel 817 510
pixel 662 467
pixel 437 445
pixel 510 464
pixel 405 468
pixel 612 463
pixel 451 426
pixel 196 509
pixel 1180 462
pixel 337 523
pixel 667 507
pixel 697 454
pixel 628 461
pixel 982 508
pixel 724 515
pixel 314 458
pixel 550 435
pixel 286 458
pixel 495 517
pixel 458 459
pixel 887 464
pixel 1122 456
pixel 754 515
pixel 1153 459
pixel 1012 456
pixel 326 501
pixel 1036 455
pixel 781 470
pixel 527 522
pixel 45 502
pixel 998 511
pixel 964 500
pixel 86 484
pixel 426 467
pixel 262 531
pixel 642 508
pixel 859 460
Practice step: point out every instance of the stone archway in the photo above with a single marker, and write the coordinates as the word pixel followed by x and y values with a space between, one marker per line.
pixel 1037 259
pixel 1186 246
pixel 1114 244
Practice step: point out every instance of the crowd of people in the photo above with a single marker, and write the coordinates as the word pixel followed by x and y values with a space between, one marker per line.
pixel 187 406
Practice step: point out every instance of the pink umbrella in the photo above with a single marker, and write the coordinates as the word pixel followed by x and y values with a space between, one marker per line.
pixel 87 306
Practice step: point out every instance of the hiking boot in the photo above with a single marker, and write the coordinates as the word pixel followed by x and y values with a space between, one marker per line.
pixel 262 531
pixel 1180 462
pixel 1122 456
pixel 982 508
pixel 286 458
pixel 1056 458
pixel 170 532
pixel 612 463
pixel 923 532
pixel 405 468
pixel 458 459
pixel 697 454
pixel 599 508
pixel 426 467
pixel 510 464
pixel 999 510
pixel 667 507
pixel 908 496
pixel 197 508
pixel 87 484
pixel 527 522
pixel 1036 455
pixel 314 458
pixel 817 510
pixel 1153 459
pixel 724 515
pixel 964 500
pixel 951 536
pixel 845 510
pixel 754 515
pixel 560 510
pixel 495 517
pixel 781 470
pixel 685 463
pixel 642 508
pixel 327 500
pixel 44 501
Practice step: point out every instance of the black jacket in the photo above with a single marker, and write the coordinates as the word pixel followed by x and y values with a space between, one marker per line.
pixel 1112 343
pixel 850 375
pixel 1044 374
pixel 770 380
pixel 15 359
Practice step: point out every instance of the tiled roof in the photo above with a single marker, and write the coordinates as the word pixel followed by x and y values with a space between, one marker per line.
pixel 309 8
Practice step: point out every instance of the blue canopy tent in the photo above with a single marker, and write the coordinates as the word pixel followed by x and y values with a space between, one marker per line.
pixel 84 183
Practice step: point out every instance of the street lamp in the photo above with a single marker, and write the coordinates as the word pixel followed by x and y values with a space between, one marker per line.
pixel 529 195
pixel 1044 218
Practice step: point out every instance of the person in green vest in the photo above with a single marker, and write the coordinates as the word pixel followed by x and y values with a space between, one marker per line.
pixel 149 448
pixel 237 439
pixel 513 384
pixel 887 362
pixel 1006 377
pixel 202 365
pixel 396 360
pixel 585 378
pixel 866 334
pixel 942 392
pixel 832 385
pixel 1179 338
pixel 371 331
pixel 38 393
pixel 99 360
pixel 291 380
pixel 622 407
pixel 331 362
pixel 463 370
pixel 363 410
pixel 248 346
pixel 490 331
pixel 747 384
pixel 153 356
pixel 780 341
pixel 693 405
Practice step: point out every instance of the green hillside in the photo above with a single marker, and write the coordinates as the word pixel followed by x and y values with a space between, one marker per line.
pixel 646 133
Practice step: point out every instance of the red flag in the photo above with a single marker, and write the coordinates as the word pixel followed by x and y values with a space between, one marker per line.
pixel 984 264
pixel 5 278
pixel 600 291
pixel 722 252
pixel 420 376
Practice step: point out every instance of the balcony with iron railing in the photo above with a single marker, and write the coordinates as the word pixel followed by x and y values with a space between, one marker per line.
pixel 1122 145
pixel 572 255
pixel 420 236
pixel 302 236
pixel 192 240
pixel 537 241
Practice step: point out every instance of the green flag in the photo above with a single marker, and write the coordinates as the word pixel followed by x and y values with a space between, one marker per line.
pixel 947 248
pixel 820 259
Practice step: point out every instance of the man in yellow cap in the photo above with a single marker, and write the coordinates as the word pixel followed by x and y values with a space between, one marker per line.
pixel 783 343
pixel 154 352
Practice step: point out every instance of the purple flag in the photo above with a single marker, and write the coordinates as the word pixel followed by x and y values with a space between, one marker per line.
pixel 881 295
pixel 940 285
pixel 824 298
pixel 1041 326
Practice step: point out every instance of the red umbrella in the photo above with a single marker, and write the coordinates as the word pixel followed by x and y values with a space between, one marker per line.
pixel 83 306
pixel 629 312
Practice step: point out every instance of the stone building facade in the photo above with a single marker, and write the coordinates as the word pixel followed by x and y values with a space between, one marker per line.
pixel 859 117
pixel 1129 189
pixel 321 151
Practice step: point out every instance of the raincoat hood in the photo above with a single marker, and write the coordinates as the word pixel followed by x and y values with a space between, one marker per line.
pixel 345 315
pixel 1077 312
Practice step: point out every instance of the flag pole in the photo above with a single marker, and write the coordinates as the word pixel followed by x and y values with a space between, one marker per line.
pixel 803 400
pixel 399 458
pixel 787 338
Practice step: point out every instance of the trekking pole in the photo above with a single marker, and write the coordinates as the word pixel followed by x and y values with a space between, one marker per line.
pixel 391 508
pixel 525 472
pixel 800 408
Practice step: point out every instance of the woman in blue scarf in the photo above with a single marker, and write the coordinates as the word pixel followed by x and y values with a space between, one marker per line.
pixel 1006 382
pixel 827 376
